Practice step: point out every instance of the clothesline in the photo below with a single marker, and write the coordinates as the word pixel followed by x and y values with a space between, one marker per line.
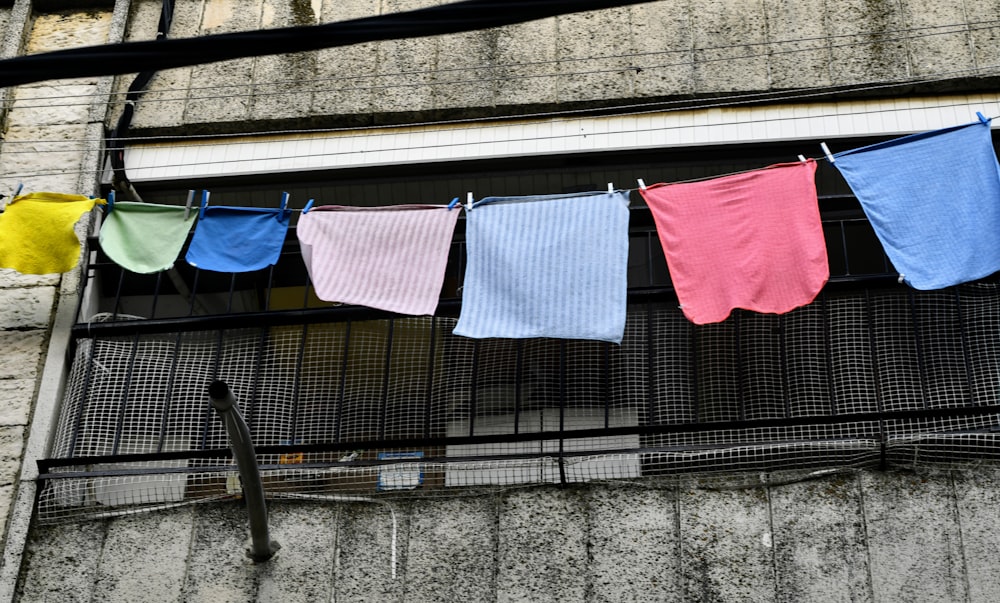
pixel 751 239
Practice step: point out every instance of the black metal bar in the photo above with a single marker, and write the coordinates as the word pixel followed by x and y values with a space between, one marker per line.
pixel 431 358
pixel 879 402
pixel 562 411
pixel 215 376
pixel 194 294
pixel 297 385
pixel 169 389
pixel 827 338
pixel 918 343
pixel 651 414
pixel 343 383
pixel 232 292
pixel 156 294
pixel 251 404
pixel 120 424
pixel 741 400
pixel 518 382
pixel 783 359
pixel 118 294
pixel 386 370
pixel 606 381
pixel 473 386
pixel 46 465
pixel 966 346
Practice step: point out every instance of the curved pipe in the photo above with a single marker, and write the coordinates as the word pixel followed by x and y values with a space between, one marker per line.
pixel 262 547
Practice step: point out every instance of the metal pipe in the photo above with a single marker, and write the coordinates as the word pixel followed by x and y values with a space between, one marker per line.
pixel 262 547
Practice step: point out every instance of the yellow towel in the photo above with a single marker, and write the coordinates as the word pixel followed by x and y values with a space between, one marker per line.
pixel 36 232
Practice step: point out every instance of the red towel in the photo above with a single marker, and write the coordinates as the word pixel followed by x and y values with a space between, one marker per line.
pixel 752 240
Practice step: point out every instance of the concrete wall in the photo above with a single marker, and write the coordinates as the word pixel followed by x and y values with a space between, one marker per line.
pixel 674 49
pixel 865 536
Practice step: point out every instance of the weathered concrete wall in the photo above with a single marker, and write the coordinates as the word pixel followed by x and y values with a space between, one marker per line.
pixel 664 50
pixel 51 140
pixel 864 536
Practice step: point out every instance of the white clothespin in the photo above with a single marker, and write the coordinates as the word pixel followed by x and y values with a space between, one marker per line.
pixel 901 278
pixel 468 202
pixel 802 158
pixel 826 151
pixel 611 187
pixel 187 205
pixel 642 185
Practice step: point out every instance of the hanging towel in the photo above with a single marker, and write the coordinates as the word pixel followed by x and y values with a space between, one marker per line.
pixel 752 240
pixel 546 266
pixel 238 239
pixel 390 258
pixel 36 232
pixel 934 201
pixel 145 237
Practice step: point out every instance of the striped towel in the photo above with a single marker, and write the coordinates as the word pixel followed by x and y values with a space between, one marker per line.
pixel 547 266
pixel 752 240
pixel 390 258
pixel 934 202
pixel 37 235
pixel 238 239
pixel 145 237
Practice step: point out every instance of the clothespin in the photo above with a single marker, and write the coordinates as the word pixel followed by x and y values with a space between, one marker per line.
pixel 983 118
pixel 468 202
pixel 611 187
pixel 642 185
pixel 204 204
pixel 826 151
pixel 453 203
pixel 901 278
pixel 20 187
pixel 187 205
pixel 802 158
pixel 110 207
pixel 284 201
pixel 309 205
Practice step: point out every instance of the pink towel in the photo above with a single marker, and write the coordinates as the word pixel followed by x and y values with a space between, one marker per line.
pixel 752 240
pixel 390 258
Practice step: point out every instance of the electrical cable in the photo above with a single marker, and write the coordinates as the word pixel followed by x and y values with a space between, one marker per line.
pixel 131 57
pixel 883 37
pixel 116 152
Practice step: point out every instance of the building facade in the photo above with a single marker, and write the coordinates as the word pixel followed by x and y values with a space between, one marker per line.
pixel 841 451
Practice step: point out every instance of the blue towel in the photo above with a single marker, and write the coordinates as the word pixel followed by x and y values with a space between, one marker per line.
pixel 546 266
pixel 238 239
pixel 934 201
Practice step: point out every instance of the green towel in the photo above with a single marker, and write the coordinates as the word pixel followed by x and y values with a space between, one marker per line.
pixel 145 237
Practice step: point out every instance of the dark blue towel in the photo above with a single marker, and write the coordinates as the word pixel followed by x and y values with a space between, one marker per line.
pixel 238 239
pixel 934 201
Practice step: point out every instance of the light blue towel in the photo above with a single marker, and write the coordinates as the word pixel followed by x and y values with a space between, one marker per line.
pixel 546 266
pixel 934 201
pixel 238 239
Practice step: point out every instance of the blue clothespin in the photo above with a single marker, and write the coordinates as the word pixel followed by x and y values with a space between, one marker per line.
pixel 284 201
pixel 204 204
pixel 983 118
pixel 453 203
pixel 309 205
pixel 111 202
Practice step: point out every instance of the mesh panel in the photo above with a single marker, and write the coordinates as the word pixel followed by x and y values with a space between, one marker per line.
pixel 850 380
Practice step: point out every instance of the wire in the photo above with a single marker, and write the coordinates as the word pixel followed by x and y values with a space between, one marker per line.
pixel 296 86
pixel 29 175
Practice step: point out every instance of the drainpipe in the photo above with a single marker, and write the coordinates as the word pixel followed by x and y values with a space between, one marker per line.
pixel 262 547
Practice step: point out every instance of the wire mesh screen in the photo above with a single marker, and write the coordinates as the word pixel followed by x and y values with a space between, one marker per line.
pixel 401 407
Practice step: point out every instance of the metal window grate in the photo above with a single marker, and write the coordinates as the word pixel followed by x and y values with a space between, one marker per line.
pixel 401 406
